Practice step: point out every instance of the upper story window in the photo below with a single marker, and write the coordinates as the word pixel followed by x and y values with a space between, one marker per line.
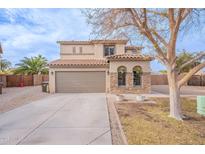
pixel 74 50
pixel 81 50
pixel 109 50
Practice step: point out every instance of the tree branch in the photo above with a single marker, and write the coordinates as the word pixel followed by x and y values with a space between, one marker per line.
pixel 162 60
pixel 162 40
pixel 189 75
pixel 122 25
pixel 171 18
pixel 145 17
pixel 146 31
pixel 162 14
pixel 179 19
pixel 174 29
pixel 197 57
pixel 136 18
pixel 186 13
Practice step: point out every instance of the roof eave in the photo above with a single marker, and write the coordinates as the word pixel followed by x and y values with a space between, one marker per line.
pixel 92 42
pixel 78 66
pixel 129 59
pixel 73 42
pixel 133 47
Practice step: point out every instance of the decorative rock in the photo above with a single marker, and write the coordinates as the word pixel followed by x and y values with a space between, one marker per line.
pixel 119 98
pixel 140 98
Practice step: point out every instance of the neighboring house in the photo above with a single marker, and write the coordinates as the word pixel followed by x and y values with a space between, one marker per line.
pixel 100 66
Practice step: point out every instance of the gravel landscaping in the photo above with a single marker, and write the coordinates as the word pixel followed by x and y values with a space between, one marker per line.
pixel 18 96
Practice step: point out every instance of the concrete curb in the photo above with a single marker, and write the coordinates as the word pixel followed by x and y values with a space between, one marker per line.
pixel 118 136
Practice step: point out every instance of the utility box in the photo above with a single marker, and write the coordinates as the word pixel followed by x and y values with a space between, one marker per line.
pixel 201 105
pixel 45 86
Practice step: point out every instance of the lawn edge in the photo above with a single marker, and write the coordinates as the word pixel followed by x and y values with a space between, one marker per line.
pixel 117 133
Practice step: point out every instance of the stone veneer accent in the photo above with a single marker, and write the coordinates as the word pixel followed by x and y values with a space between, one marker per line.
pixel 129 88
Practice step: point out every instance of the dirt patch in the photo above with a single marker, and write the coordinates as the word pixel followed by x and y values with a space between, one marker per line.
pixel 150 123
pixel 16 97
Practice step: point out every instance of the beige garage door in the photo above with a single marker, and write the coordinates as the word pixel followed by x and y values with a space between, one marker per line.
pixel 80 82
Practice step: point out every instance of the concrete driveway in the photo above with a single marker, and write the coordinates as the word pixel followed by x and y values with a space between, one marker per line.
pixel 14 97
pixel 58 119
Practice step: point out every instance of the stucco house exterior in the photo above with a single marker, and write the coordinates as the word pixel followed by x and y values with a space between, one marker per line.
pixel 100 66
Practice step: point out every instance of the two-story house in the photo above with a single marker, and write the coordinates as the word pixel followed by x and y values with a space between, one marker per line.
pixel 100 66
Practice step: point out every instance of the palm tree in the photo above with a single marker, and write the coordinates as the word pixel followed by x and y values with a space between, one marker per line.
pixel 33 65
pixel 4 65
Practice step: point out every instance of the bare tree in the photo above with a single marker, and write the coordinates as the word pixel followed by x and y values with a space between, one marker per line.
pixel 160 27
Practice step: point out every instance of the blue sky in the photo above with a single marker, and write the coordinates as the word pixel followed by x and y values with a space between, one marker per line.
pixel 29 32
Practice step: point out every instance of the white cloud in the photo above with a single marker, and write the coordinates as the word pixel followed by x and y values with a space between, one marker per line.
pixel 35 31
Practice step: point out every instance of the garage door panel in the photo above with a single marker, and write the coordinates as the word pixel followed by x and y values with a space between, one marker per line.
pixel 75 82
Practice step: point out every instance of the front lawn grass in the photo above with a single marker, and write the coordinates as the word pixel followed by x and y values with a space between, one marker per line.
pixel 151 124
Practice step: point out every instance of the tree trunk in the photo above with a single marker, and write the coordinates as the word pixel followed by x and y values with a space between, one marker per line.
pixel 174 95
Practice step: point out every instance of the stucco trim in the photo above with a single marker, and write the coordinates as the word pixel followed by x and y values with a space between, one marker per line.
pixel 77 53
pixel 78 66
pixel 92 42
pixel 129 57
pixel 87 63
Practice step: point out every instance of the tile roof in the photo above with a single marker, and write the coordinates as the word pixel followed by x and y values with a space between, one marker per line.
pixel 93 42
pixel 133 47
pixel 129 57
pixel 110 41
pixel 74 42
pixel 79 63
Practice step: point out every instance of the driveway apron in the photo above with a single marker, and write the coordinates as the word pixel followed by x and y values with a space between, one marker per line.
pixel 58 119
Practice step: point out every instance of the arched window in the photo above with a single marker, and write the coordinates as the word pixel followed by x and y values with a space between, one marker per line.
pixel 137 75
pixel 121 71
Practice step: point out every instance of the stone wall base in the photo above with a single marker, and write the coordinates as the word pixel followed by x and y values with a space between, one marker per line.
pixel 129 88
